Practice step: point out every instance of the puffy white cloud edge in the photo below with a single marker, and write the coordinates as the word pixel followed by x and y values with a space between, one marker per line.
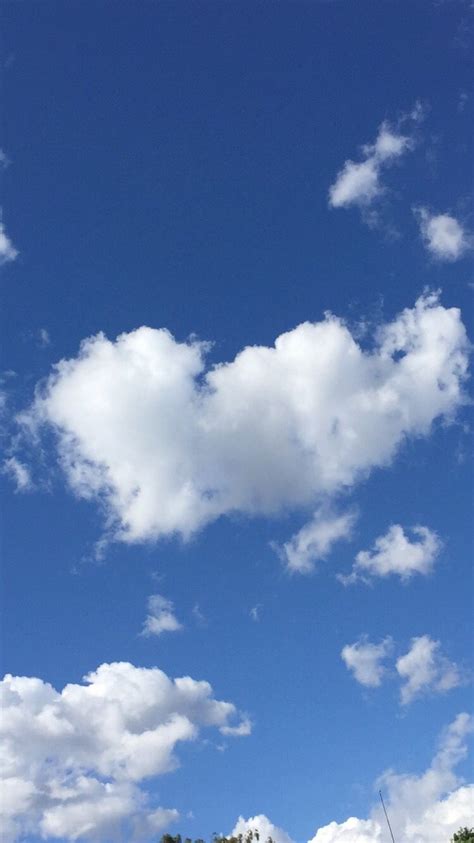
pixel 425 808
pixel 72 761
pixel 166 447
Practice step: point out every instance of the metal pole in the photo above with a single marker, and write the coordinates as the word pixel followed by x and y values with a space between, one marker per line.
pixel 386 816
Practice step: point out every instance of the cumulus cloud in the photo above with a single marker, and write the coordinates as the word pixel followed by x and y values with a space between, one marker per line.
pixel 19 473
pixel 396 553
pixel 167 447
pixel 359 182
pixel 160 617
pixel 315 540
pixel 263 826
pixel 364 660
pixel 72 760
pixel 443 235
pixel 425 669
pixel 8 252
pixel 427 808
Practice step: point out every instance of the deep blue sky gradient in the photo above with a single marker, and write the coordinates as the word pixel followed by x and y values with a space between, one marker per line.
pixel 170 167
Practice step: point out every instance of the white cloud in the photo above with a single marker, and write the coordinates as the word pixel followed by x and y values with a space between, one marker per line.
pixel 71 761
pixel 443 235
pixel 161 617
pixel 427 808
pixel 426 670
pixel 19 473
pixel 395 553
pixel 315 540
pixel 167 448
pixel 365 660
pixel 43 338
pixel 359 183
pixel 255 612
pixel 263 826
pixel 7 250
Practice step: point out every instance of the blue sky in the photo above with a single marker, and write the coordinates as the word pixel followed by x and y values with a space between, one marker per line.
pixel 293 527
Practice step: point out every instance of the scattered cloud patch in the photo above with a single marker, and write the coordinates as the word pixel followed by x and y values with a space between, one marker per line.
pixel 19 473
pixel 166 447
pixel 315 540
pixel 443 235
pixel 397 554
pixel 72 760
pixel 425 670
pixel 426 808
pixel 161 617
pixel 365 660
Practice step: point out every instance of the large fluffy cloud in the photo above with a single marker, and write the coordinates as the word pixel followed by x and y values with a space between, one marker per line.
pixel 167 447
pixel 72 760
pixel 426 808
pixel 423 809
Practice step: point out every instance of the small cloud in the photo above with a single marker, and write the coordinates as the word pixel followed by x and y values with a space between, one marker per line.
pixel 4 160
pixel 396 553
pixel 44 338
pixel 443 235
pixel 161 617
pixel 315 540
pixel 365 660
pixel 19 473
pixel 359 183
pixel 243 729
pixel 200 618
pixel 8 252
pixel 426 670
pixel 255 612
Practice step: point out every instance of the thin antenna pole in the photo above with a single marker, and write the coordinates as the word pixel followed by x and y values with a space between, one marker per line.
pixel 386 816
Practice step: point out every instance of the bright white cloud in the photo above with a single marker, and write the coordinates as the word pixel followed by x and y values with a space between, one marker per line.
pixel 396 553
pixel 359 183
pixel 19 473
pixel 71 761
pixel 423 809
pixel 443 235
pixel 167 448
pixel 263 826
pixel 161 617
pixel 365 660
pixel 7 250
pixel 315 540
pixel 425 669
